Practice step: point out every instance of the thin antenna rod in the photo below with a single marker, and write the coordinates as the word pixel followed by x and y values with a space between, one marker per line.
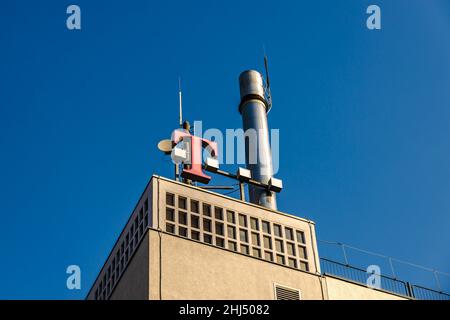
pixel 266 66
pixel 181 102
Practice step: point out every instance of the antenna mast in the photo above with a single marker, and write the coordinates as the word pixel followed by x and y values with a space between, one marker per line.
pixel 180 102
pixel 267 88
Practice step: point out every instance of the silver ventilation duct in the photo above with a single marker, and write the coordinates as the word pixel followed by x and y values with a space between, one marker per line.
pixel 253 108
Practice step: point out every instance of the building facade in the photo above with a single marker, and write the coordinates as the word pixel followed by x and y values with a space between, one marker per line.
pixel 184 242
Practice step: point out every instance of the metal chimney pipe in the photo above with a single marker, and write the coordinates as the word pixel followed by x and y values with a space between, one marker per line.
pixel 253 108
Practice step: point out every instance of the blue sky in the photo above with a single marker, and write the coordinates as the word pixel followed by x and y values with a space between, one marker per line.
pixel 363 117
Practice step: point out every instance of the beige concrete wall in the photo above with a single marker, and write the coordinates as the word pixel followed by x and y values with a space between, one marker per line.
pixel 192 270
pixel 134 283
pixel 343 290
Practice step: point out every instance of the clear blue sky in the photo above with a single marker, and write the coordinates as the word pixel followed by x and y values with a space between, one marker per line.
pixel 363 116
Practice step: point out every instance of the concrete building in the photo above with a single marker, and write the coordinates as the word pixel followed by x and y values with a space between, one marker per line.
pixel 184 242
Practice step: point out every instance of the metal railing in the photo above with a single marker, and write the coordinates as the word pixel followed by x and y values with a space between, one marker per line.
pixel 359 275
pixel 389 284
pixel 423 293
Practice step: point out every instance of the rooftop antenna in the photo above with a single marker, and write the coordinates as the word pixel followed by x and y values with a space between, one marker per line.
pixel 267 87
pixel 180 96
pixel 165 145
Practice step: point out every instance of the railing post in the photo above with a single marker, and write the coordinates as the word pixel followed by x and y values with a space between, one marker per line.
pixel 437 281
pixel 392 268
pixel 345 253
pixel 410 290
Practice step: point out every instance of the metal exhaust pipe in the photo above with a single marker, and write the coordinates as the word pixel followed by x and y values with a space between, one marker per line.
pixel 253 108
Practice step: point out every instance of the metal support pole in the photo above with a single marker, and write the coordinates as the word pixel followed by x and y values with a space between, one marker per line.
pixel 217 187
pixel 177 172
pixel 242 190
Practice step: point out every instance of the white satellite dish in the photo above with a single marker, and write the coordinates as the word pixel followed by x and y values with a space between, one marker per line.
pixel 165 146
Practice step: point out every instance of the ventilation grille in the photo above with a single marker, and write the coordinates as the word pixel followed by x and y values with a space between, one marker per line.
pixel 283 293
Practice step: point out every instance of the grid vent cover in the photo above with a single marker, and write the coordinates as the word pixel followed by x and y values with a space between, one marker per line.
pixel 283 293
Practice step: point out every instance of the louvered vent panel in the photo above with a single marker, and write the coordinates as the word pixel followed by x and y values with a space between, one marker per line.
pixel 283 293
